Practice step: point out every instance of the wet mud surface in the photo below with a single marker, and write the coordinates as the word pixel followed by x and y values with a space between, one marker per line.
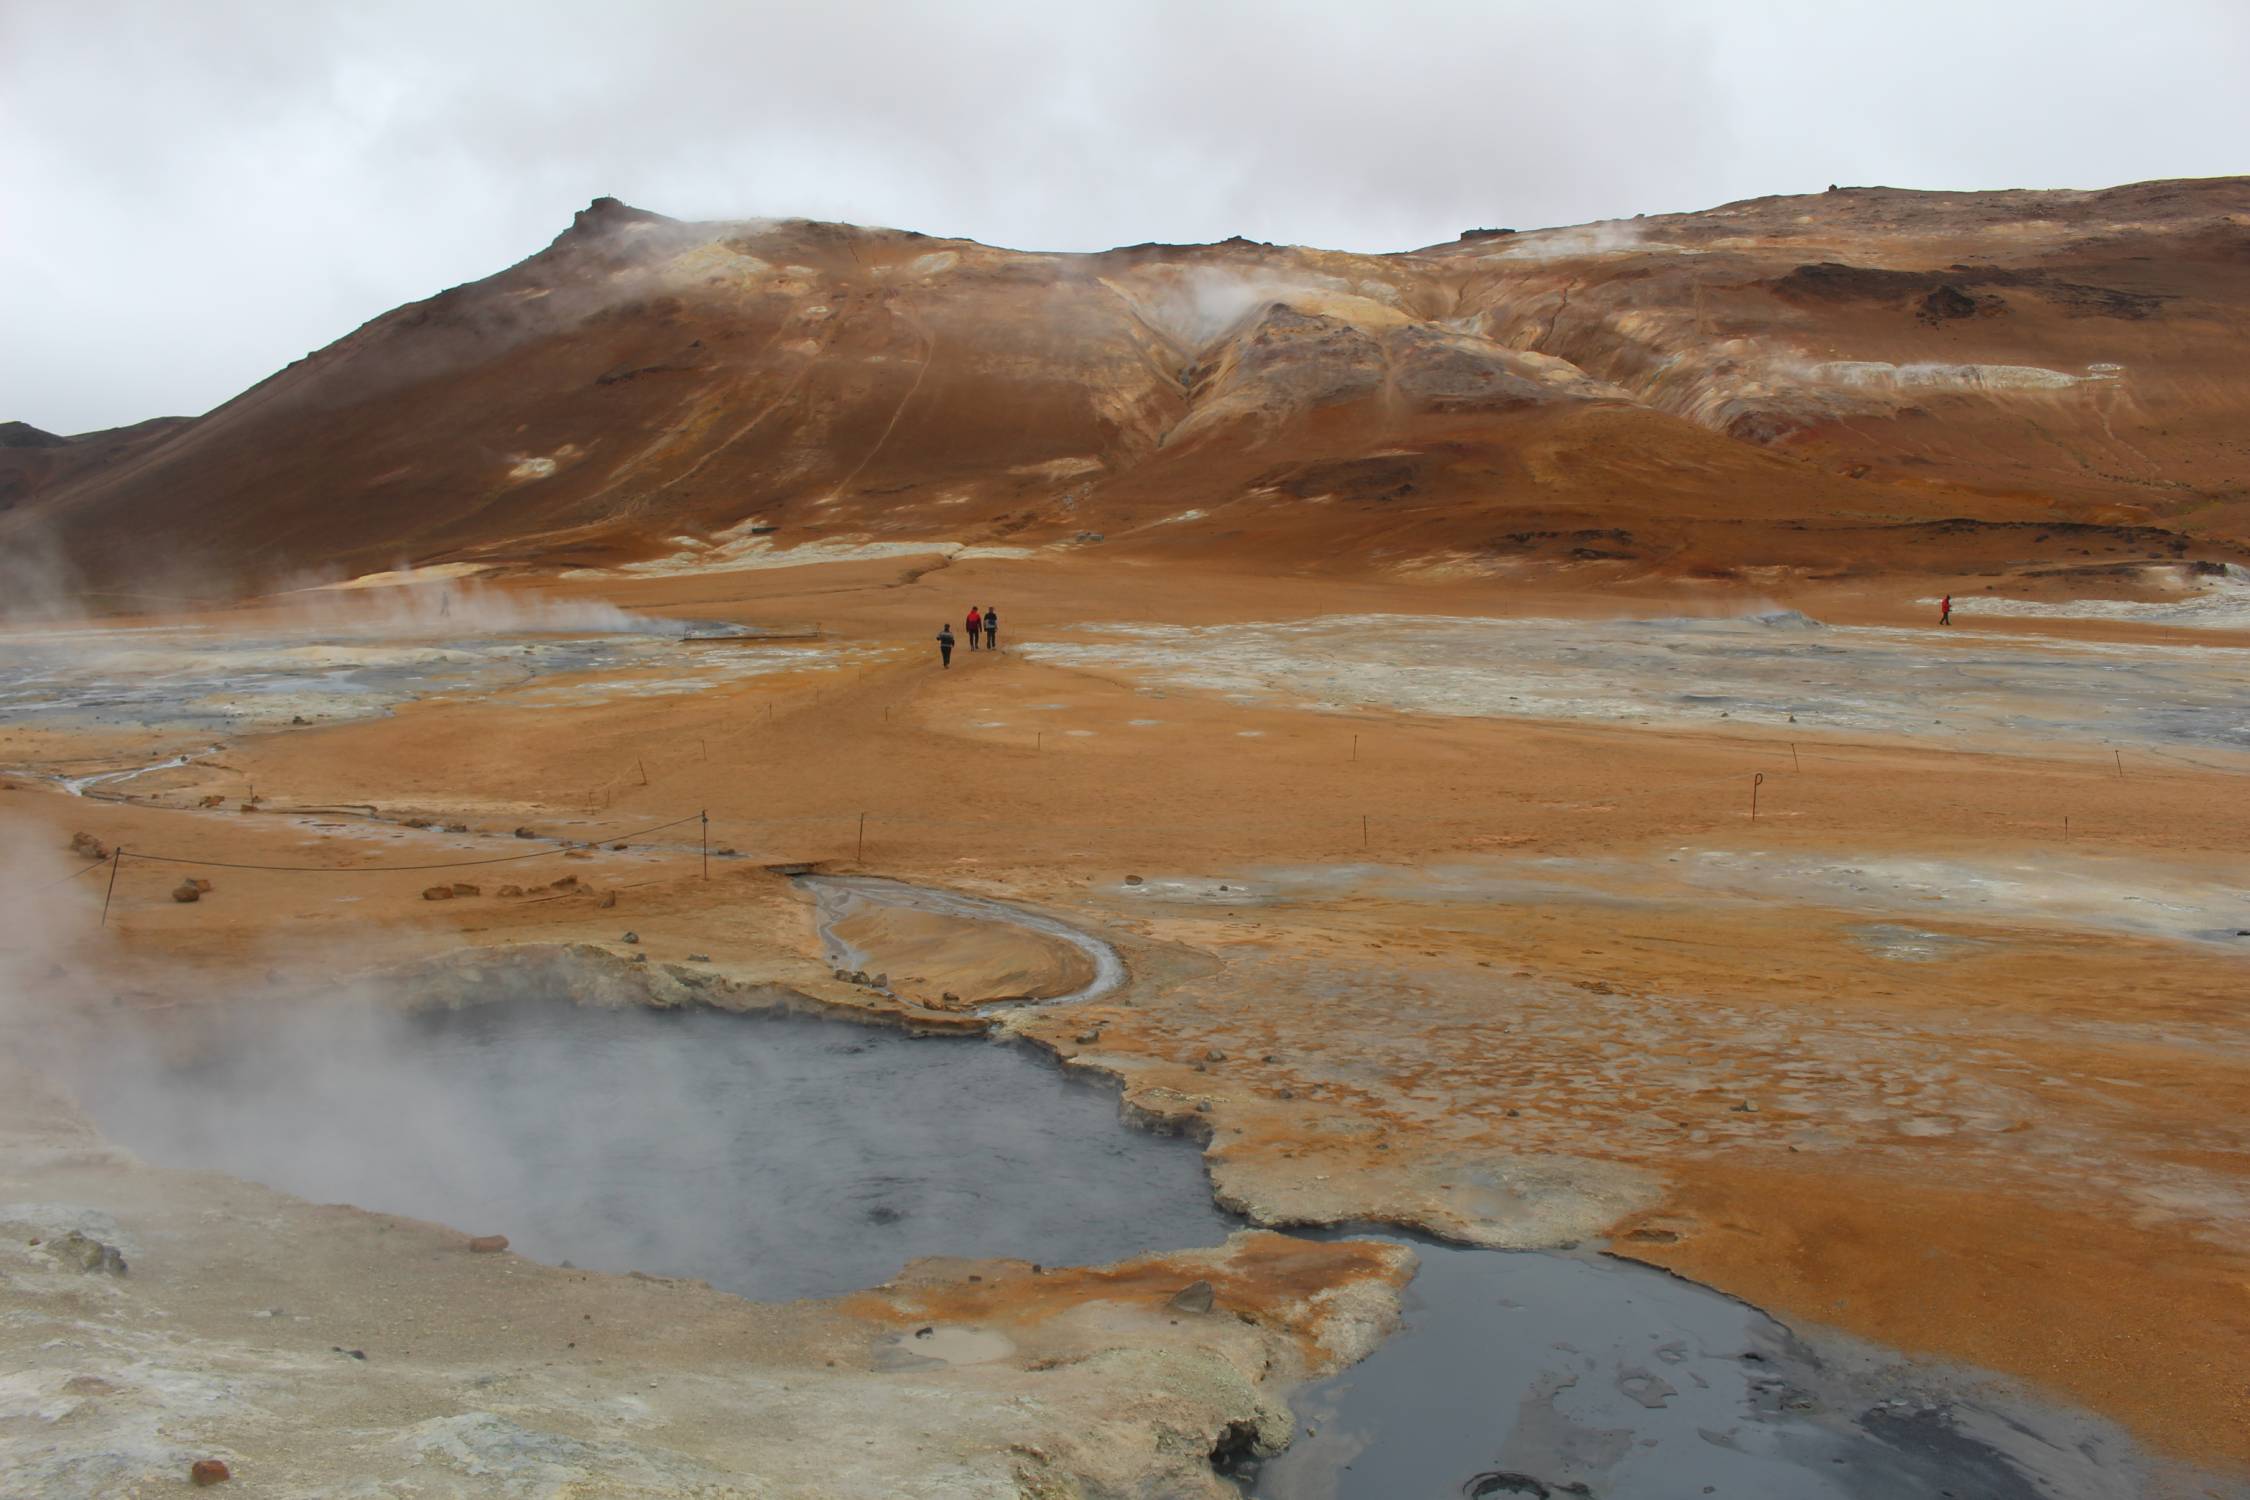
pixel 773 1157
pixel 1575 1375
pixel 195 680
pixel 1772 670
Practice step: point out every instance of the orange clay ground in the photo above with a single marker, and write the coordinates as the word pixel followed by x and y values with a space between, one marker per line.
pixel 2029 1155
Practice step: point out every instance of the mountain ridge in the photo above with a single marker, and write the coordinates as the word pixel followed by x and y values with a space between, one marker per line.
pixel 1726 387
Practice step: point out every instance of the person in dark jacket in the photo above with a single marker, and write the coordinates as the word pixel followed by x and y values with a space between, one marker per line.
pixel 991 628
pixel 945 645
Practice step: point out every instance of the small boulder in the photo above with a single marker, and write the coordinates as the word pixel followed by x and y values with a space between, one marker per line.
pixel 456 828
pixel 1214 1055
pixel 437 893
pixel 1197 1298
pixel 187 891
pixel 86 846
pixel 525 833
pixel 699 958
pixel 82 1252
pixel 488 1244
pixel 214 800
pixel 617 848
pixel 1132 880
pixel 209 1471
pixel 418 823
pixel 511 890
pixel 563 883
pixel 609 899
pixel 463 888
pixel 630 937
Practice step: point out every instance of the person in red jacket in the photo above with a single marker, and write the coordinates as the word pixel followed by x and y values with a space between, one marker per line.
pixel 1945 610
pixel 976 624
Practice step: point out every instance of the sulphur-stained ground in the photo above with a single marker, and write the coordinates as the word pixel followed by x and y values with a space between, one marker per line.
pixel 1463 926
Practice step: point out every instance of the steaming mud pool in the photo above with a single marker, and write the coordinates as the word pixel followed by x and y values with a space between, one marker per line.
pixel 783 1157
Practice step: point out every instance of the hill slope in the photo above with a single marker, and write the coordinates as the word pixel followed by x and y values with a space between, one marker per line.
pixel 1858 379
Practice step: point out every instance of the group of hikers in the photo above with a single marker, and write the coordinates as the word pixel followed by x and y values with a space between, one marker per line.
pixel 986 620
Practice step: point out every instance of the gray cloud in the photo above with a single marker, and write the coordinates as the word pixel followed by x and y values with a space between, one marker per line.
pixel 195 195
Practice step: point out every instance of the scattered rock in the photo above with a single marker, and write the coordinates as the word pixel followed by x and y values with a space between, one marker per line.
pixel 1197 1298
pixel 488 1244
pixel 213 800
pixel 1214 1055
pixel 419 823
pixel 725 851
pixel 82 1252
pixel 186 891
pixel 576 854
pixel 563 883
pixel 1132 880
pixel 630 937
pixel 296 718
pixel 882 981
pixel 86 846
pixel 463 888
pixel 1747 1107
pixel 437 893
pixel 1087 1038
pixel 699 958
pixel 207 1471
pixel 358 1354
pixel 511 890
pixel 844 976
pixel 617 848
pixel 609 899
pixel 456 828
pixel 525 833
pixel 950 998
pixel 640 958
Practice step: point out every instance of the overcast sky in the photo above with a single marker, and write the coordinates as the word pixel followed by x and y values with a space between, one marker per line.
pixel 194 194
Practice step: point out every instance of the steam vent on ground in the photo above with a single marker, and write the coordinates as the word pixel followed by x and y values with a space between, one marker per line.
pixel 1595 862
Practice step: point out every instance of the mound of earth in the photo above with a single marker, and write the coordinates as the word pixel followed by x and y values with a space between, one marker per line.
pixel 949 963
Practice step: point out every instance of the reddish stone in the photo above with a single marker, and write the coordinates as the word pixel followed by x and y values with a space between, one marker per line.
pixel 210 1471
pixel 486 1244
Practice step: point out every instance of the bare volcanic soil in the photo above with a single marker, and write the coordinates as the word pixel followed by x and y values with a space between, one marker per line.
pixel 1472 751
pixel 1842 384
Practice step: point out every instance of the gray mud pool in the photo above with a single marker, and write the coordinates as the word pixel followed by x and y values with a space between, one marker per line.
pixel 781 1157
pixel 1519 1374
pixel 775 1157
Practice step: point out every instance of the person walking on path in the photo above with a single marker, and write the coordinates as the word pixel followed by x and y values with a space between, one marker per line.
pixel 975 624
pixel 991 628
pixel 1945 610
pixel 945 645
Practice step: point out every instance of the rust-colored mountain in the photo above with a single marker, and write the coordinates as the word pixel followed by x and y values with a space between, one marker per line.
pixel 1859 380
